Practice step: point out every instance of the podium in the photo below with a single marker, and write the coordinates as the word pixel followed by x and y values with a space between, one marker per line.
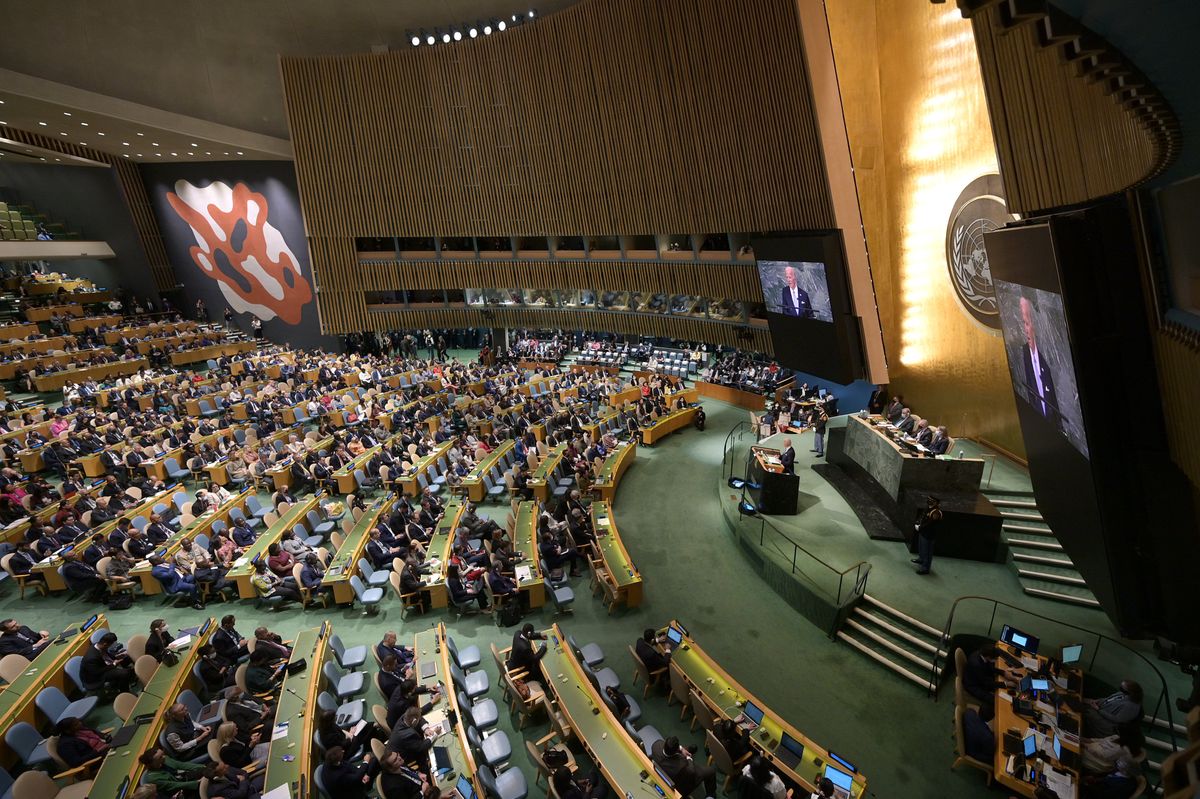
pixel 776 491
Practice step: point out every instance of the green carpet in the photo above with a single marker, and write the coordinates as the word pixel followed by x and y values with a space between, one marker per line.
pixel 667 511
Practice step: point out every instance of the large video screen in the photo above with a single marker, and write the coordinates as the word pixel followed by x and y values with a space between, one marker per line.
pixel 1039 357
pixel 796 289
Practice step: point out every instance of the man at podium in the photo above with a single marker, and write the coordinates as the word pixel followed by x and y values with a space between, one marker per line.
pixel 788 457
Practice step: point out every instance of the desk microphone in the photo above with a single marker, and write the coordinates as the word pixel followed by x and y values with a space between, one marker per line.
pixel 303 701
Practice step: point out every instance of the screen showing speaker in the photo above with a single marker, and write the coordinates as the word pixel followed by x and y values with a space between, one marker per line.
pixel 795 288
pixel 806 294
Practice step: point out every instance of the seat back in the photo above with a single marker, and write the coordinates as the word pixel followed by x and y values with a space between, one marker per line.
pixel 11 666
pixel 703 714
pixel 335 643
pixel 52 702
pixel 73 671
pixel 144 668
pixel 331 673
pixel 720 755
pixel 356 584
pixel 365 568
pixel 639 666
pixel 22 738
pixel 34 785
pixel 123 705
pixel 679 686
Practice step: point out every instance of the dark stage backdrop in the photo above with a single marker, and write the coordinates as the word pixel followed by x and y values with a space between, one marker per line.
pixel 235 235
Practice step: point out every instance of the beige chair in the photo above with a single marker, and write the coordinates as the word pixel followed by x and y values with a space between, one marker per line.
pixel 560 728
pixel 960 696
pixel 123 705
pixel 39 785
pixel 135 647
pixel 539 762
pixel 643 672
pixel 960 749
pixel 11 666
pixel 23 580
pixel 702 714
pixel 144 667
pixel 526 707
pixel 380 714
pixel 719 757
pixel 337 539
pixel 409 600
pixel 66 772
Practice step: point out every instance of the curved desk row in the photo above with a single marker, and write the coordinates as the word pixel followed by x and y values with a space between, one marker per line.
pixel 344 564
pixel 665 425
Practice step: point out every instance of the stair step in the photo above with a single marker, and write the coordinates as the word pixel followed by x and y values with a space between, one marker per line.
pixel 920 625
pixel 1013 503
pixel 1061 563
pixel 1052 577
pixel 1180 729
pixel 1155 743
pixel 1028 517
pixel 892 646
pixel 892 629
pixel 1034 542
pixel 1027 529
pixel 923 682
pixel 1060 593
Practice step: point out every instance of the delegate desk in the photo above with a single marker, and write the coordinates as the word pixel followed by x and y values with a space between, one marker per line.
pixel 473 482
pixel 429 646
pixel 211 352
pixel 54 381
pixel 525 544
pixel 621 759
pixel 622 579
pixel 242 569
pixel 726 697
pixel 735 396
pixel 43 313
pixel 543 480
pixel 291 760
pixel 408 481
pixel 203 525
pixel 21 330
pixel 438 552
pixel 668 424
pixel 614 466
pixel 82 323
pixel 1063 780
pixel 900 478
pixel 120 767
pixel 345 561
pixel 47 669
pixel 345 479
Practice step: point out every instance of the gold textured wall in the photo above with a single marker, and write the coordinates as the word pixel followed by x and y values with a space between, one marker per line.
pixel 919 133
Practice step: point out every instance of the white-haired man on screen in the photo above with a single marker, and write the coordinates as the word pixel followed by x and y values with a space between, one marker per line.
pixel 795 299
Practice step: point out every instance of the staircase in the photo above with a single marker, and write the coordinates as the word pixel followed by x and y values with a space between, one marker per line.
pixel 1043 567
pixel 1158 741
pixel 895 640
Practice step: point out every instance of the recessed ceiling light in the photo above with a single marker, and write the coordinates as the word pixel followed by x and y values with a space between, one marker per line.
pixel 83 144
pixel 57 159
pixel 43 124
pixel 125 144
pixel 42 158
pixel 153 144
pixel 158 155
pixel 62 133
pixel 98 133
pixel 139 155
pixel 206 152
pixel 175 154
pixel 225 153
pixel 125 154
pixel 191 153
pixel 239 152
pixel 195 145
pixel 66 113
pixel 141 134
pixel 3 123
pixel 84 124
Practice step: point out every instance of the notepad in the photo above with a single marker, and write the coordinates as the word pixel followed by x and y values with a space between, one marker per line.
pixel 523 573
pixel 280 731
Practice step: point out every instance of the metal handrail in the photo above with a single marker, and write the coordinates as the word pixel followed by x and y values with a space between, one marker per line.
pixel 727 447
pixel 1164 698
pixel 861 569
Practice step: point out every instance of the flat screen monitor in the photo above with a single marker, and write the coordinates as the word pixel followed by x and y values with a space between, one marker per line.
pixel 792 745
pixel 796 289
pixel 465 788
pixel 1023 641
pixel 1057 748
pixel 1040 685
pixel 840 779
pixel 674 635
pixel 1030 743
pixel 853 769
pixel 88 624
pixel 663 776
pixel 1072 653
pixel 753 712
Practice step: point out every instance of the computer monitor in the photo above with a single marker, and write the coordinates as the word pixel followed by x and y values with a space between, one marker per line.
pixel 674 635
pixel 663 776
pixel 792 745
pixel 1041 685
pixel 840 779
pixel 853 769
pixel 1072 653
pixel 464 787
pixel 87 624
pixel 1022 641
pixel 753 712
pixel 1030 743
pixel 1057 748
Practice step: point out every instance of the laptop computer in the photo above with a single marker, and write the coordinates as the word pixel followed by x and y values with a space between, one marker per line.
pixel 789 751
pixel 464 788
pixel 674 635
pixel 842 782
pixel 750 717
pixel 1071 653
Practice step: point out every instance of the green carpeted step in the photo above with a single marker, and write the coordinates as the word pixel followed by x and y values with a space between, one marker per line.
pixel 1021 542
pixel 1038 559
pixel 1032 528
pixel 1011 501
pixel 1020 515
pixel 1059 592
pixel 1066 575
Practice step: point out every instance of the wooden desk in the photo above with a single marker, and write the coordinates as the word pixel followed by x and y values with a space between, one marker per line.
pixel 141 331
pixel 620 759
pixel 56 380
pixel 202 526
pixel 614 466
pixel 297 709
pixel 408 482
pixel 21 330
pixel 345 561
pixel 668 424
pixel 619 399
pixel 439 547
pixel 473 482
pixel 543 481
pixel 82 323
pixel 211 352
pixel 36 346
pixel 735 396
pixel 47 669
pixel 525 542
pixel 724 696
pixel 430 644
pixel 602 425
pixel 243 569
pixel 623 577
pixel 121 765
pixel 1006 719
pixel 43 313
pixel 344 477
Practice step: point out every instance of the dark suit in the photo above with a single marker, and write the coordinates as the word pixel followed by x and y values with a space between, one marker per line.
pixel 1047 403
pixel 801 306
pixel 650 655
pixel 522 656
pixel 20 643
pixel 788 459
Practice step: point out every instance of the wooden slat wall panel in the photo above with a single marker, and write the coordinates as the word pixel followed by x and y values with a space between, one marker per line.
pixel 614 117
pixel 134 190
pixel 1060 139
pixel 1178 356
pixel 635 324
pixel 732 281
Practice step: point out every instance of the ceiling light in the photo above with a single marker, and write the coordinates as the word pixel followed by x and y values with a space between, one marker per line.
pixel 175 154
pixel 3 123
pixel 501 25
pixel 473 32
pixel 43 124
pixel 158 155
pixel 153 144
pixel 487 29
pixel 458 36
pixel 445 38
pixel 191 153
pixel 430 39
pixel 66 113
pixel 416 40
pixel 531 13
pixel 43 158
pixel 193 144
pixel 58 159
pixel 62 133
pixel 224 153
pixel 125 144
pixel 84 124
pixel 139 155
pixel 239 152
pixel 206 152
pixel 83 144
pixel 141 134
pixel 98 133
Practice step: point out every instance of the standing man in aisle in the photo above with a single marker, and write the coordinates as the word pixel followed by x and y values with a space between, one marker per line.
pixel 927 527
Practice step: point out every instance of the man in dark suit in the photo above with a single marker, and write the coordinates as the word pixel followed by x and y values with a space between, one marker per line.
pixel 229 643
pixel 102 671
pixel 794 300
pixel 1039 382
pixel 350 780
pixel 788 457
pixel 522 656
pixel 16 639
pixel 649 653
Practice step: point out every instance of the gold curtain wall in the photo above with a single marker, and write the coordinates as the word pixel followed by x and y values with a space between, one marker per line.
pixel 919 133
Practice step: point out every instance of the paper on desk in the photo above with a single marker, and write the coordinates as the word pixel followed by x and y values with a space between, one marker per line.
pixel 1030 663
pixel 278 792
pixel 280 731
pixel 523 573
pixel 1061 784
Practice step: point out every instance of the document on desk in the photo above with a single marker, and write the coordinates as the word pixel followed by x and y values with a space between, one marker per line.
pixel 523 573
pixel 280 731
pixel 279 792
pixel 1030 663
pixel 1061 784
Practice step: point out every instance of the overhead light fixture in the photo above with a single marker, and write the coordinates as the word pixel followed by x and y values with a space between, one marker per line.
pixel 141 134
pixel 239 152
pixel 473 32
pixel 62 133
pixel 514 17
pixel 430 39
pixel 84 124
pixel 175 154
pixel 153 144
pixel 139 155
pixel 446 38
pixel 416 40
pixel 487 29
pixel 457 35
pixel 98 133
pixel 125 144
pixel 501 25
pixel 83 144
pixel 531 13
pixel 66 113
pixel 125 154
pixel 206 152
pixel 43 124
pixel 193 144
